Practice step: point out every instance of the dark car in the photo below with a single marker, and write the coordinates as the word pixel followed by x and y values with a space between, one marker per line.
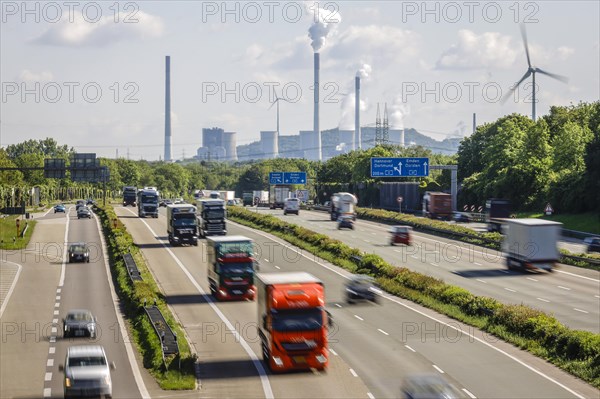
pixel 164 202
pixel 361 288
pixel 459 217
pixel 90 201
pixel 79 251
pixel 429 386
pixel 84 212
pixel 79 323
pixel 60 208
pixel 594 245
pixel 345 221
pixel 79 204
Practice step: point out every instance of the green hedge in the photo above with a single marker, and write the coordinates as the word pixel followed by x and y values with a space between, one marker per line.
pixel 132 294
pixel 577 352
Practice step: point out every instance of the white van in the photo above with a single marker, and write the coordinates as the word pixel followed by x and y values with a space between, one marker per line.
pixel 291 205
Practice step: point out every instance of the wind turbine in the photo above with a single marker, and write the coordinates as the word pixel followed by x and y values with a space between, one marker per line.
pixel 531 71
pixel 277 99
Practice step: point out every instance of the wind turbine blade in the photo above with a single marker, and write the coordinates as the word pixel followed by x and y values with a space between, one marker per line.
pixel 563 79
pixel 273 103
pixel 511 91
pixel 524 36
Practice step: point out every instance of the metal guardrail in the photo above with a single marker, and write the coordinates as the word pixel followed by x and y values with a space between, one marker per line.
pixel 132 269
pixel 593 261
pixel 167 337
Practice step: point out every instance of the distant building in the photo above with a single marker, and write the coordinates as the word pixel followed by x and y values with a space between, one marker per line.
pixel 217 145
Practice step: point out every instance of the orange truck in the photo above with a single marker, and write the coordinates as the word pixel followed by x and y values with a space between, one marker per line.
pixel 292 321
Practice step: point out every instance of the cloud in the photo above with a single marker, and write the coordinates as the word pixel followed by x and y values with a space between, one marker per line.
pixel 490 49
pixel 81 33
pixel 564 52
pixel 28 76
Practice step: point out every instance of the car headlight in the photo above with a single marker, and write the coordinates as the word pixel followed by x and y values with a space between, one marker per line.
pixel 107 379
pixel 67 382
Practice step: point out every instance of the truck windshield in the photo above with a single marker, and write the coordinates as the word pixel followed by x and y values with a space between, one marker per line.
pixel 297 320
pixel 149 199
pixel 188 220
pixel 214 213
pixel 234 269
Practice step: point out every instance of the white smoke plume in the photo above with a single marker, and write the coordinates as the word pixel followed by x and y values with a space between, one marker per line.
pixel 347 106
pixel 324 22
pixel 398 111
pixel 364 71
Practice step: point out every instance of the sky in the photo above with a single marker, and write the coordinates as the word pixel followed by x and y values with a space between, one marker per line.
pixel 92 74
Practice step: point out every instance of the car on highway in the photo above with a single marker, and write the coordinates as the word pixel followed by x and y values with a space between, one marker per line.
pixel 84 212
pixel 79 251
pixel 90 201
pixel 60 208
pixel 360 288
pixel 401 235
pixel 87 372
pixel 460 217
pixel 593 245
pixel 345 221
pixel 79 323
pixel 429 386
pixel 291 205
pixel 79 204
pixel 164 202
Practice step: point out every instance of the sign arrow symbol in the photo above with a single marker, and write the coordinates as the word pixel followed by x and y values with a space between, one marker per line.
pixel 425 167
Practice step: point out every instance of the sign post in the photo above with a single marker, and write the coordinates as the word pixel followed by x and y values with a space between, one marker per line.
pixel 548 210
pixel 400 199
pixel 18 223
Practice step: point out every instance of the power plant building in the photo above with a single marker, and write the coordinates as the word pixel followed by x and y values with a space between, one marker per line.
pixel 270 146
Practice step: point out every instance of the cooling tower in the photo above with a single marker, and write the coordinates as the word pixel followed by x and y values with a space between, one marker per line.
pixel 229 143
pixel 308 145
pixel 268 140
pixel 168 155
pixel 347 137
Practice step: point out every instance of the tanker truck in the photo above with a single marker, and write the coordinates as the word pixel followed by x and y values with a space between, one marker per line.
pixel 343 204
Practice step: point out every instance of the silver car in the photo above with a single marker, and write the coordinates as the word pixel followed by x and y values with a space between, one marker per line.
pixel 87 372
pixel 79 323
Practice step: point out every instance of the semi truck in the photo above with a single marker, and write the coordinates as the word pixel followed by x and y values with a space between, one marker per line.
pixel 231 267
pixel 292 321
pixel 261 197
pixel 437 205
pixel 278 194
pixel 130 195
pixel 531 244
pixel 247 198
pixel 343 204
pixel 497 210
pixel 147 202
pixel 182 227
pixel 211 216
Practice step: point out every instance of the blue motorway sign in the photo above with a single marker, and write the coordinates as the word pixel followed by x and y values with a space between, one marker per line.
pixel 287 178
pixel 399 167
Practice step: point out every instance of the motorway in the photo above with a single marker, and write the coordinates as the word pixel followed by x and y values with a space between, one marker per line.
pixel 47 287
pixel 373 347
pixel 571 294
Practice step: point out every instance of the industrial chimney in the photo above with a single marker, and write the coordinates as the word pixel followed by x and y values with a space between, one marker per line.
pixel 357 138
pixel 168 156
pixel 316 121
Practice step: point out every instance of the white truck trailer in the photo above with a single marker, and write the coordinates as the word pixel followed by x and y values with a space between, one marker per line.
pixel 531 244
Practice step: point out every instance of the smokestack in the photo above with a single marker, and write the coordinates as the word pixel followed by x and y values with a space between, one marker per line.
pixel 474 122
pixel 402 138
pixel 357 138
pixel 316 121
pixel 168 156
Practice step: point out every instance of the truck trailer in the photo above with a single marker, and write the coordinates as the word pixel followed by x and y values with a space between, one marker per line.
pixel 531 244
pixel 278 194
pixel 211 216
pixel 343 204
pixel 231 267
pixel 292 321
pixel 182 227
pixel 437 205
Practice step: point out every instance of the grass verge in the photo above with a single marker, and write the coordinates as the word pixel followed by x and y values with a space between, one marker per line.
pixel 588 222
pixel 177 373
pixel 577 352
pixel 8 232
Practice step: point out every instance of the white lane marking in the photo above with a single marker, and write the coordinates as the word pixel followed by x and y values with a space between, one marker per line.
pixel 56 312
pixel 257 363
pixel 277 267
pixel 58 298
pixel 465 390
pixel 53 330
pixel 267 260
pixel 47 392
pixel 481 281
pixel 51 350
pixel 48 377
pixel 432 264
pixel 532 279
pixel 366 241
pixel 477 263
pixel 353 373
pixel 410 349
pixel 457 329
pixel 53 339
pixel 577 275
pixel 57 304
pixel 397 250
pixel 12 286
pixel 48 211
pixel 137 375
pixel 332 351
pixel 580 310
pixel 383 332
pixel 63 264
pixel 50 363
pixel 508 289
pixel 414 256
pixel 54 321
pixel 563 288
pixel 377 291
pixel 58 290
pixel 373 233
pixel 543 300
pixel 370 395
pixel 597 296
pixel 338 305
pixel 438 369
pixel 359 318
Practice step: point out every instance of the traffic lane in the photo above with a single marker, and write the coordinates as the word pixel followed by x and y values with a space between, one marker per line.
pixel 225 368
pixel 86 287
pixel 27 318
pixel 485 357
pixel 471 267
pixel 336 382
